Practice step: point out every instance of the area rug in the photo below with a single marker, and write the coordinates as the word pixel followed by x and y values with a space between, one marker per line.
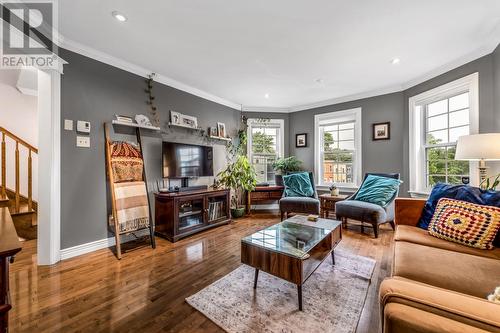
pixel 333 298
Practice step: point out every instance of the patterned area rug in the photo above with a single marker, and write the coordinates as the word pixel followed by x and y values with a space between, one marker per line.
pixel 333 298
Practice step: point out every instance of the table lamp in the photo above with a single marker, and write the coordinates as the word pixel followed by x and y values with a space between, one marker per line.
pixel 479 147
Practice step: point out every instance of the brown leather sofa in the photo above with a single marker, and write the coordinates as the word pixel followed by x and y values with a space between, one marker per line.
pixel 436 285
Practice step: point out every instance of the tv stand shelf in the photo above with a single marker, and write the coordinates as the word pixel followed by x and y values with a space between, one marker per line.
pixel 180 214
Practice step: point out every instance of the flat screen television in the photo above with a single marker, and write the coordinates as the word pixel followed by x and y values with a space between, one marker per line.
pixel 182 160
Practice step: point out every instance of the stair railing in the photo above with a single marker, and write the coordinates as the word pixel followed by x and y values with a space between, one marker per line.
pixel 31 150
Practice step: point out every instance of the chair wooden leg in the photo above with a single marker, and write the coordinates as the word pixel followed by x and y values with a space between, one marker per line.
pixel 393 226
pixel 287 214
pixel 375 229
pixel 362 227
pixel 152 235
pixel 282 215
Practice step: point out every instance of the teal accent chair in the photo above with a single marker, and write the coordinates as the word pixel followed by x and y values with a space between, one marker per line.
pixel 366 212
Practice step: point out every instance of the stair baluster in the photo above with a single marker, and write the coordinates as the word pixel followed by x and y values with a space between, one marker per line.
pixel 4 169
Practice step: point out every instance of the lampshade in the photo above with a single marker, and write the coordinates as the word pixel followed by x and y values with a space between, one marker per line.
pixel 478 147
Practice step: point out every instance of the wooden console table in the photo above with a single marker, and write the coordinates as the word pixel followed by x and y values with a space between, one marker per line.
pixel 180 214
pixel 9 246
pixel 264 194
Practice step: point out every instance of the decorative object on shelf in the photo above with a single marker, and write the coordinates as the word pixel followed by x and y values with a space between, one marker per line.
pixel 334 190
pixel 238 176
pixel 301 140
pixel 495 297
pixel 189 121
pixel 479 147
pixel 124 119
pixel 151 98
pixel 284 165
pixel 381 131
pixel 212 131
pixel 221 130
pixel 143 120
pixel 175 118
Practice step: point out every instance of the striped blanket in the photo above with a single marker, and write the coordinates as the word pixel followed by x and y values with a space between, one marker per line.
pixel 131 206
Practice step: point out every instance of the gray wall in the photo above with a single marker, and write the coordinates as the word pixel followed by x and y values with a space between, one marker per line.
pixel 377 156
pixel 275 115
pixel 393 156
pixel 95 92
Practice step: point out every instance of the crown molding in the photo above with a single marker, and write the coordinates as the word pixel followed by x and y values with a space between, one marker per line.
pixel 108 59
pixel 269 109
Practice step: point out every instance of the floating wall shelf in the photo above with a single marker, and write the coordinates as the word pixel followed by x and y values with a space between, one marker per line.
pixel 187 127
pixel 219 138
pixel 123 123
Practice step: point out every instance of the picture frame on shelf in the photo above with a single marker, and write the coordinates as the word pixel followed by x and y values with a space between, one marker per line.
pixel 221 130
pixel 175 118
pixel 381 131
pixel 189 121
pixel 212 131
pixel 301 140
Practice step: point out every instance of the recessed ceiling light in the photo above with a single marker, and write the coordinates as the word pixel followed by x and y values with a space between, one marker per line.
pixel 319 80
pixel 395 61
pixel 266 96
pixel 119 16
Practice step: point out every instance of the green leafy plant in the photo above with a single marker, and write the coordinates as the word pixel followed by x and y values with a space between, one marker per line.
pixel 490 185
pixel 289 164
pixel 238 176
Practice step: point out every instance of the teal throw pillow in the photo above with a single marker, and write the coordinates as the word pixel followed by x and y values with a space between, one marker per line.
pixel 298 185
pixel 378 190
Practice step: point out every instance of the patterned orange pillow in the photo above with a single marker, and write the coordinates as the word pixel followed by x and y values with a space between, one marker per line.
pixel 465 223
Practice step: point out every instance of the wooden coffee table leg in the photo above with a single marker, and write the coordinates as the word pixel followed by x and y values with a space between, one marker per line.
pixel 256 278
pixel 299 293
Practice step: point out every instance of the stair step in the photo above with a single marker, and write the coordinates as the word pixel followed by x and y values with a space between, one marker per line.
pixel 4 202
pixel 23 210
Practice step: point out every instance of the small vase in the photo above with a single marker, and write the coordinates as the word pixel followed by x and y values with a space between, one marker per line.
pixel 278 180
pixel 334 192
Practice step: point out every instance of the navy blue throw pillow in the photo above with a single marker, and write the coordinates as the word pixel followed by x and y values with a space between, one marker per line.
pixel 458 192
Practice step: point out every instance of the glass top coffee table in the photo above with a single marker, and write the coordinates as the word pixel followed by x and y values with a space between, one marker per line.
pixel 292 249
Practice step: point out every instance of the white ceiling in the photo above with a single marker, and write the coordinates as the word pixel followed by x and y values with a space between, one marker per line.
pixel 240 50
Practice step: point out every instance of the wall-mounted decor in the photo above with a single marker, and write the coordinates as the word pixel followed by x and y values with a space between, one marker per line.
pixel 143 120
pixel 382 131
pixel 212 131
pixel 175 118
pixel 301 140
pixel 189 121
pixel 221 130
pixel 151 98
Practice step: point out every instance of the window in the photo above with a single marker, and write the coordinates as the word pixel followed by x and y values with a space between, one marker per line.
pixel 265 145
pixel 338 148
pixel 437 118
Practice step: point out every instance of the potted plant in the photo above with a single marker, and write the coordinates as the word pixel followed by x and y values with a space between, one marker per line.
pixel 239 176
pixel 284 165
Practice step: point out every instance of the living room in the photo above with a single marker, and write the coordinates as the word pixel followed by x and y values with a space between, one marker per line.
pixel 251 167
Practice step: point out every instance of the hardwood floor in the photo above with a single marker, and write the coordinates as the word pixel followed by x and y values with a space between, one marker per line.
pixel 145 291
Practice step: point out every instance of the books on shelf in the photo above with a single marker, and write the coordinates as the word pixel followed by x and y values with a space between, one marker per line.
pixel 124 119
pixel 216 210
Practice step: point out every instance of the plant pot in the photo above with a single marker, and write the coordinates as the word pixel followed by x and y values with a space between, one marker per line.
pixel 278 180
pixel 237 212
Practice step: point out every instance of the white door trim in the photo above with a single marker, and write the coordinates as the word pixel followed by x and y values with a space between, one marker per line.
pixel 49 166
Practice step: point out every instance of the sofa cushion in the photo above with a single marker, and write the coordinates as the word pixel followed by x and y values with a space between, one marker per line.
pixel 419 236
pixel 465 223
pixel 378 190
pixel 298 185
pixel 299 205
pixel 461 272
pixel 361 211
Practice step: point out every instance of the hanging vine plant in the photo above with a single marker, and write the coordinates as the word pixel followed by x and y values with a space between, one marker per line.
pixel 149 91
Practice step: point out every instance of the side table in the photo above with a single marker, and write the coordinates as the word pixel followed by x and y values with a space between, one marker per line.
pixel 327 204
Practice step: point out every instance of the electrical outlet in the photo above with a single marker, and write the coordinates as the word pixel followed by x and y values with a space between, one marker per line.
pixel 83 141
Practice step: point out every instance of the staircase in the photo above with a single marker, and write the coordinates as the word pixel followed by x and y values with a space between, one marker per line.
pixel 22 208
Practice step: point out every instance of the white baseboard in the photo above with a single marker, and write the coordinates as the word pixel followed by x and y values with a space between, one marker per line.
pixel 78 250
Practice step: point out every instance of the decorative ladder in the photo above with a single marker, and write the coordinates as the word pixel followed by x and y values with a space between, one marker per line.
pixel 31 150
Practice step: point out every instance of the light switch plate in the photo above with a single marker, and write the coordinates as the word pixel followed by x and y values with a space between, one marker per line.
pixel 83 141
pixel 68 124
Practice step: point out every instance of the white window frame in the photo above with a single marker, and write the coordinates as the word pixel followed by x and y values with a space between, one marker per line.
pixel 417 160
pixel 256 122
pixel 339 116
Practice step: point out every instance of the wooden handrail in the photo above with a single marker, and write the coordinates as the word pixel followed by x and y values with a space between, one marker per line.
pixel 18 139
